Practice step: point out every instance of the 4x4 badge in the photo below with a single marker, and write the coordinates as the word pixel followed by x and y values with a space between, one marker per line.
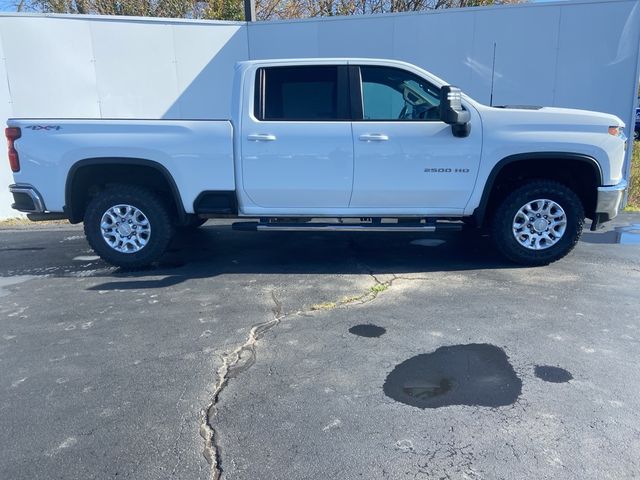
pixel 44 127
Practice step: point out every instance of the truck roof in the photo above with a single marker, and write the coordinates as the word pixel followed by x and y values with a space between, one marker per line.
pixel 326 60
pixel 247 64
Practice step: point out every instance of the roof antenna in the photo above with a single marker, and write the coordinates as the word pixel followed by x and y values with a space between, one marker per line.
pixel 493 73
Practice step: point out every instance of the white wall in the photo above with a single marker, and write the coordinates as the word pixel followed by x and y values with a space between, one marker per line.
pixel 570 54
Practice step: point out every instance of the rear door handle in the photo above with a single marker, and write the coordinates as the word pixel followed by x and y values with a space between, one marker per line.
pixel 374 137
pixel 261 137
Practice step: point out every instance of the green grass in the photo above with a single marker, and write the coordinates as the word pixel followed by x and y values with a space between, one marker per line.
pixel 379 287
pixel 324 306
pixel 633 204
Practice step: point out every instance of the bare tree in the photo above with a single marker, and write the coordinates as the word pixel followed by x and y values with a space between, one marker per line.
pixel 271 9
pixel 233 9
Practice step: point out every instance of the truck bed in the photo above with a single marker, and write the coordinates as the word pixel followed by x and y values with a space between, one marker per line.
pixel 198 154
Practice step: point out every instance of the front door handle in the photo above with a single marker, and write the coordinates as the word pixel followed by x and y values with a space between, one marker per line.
pixel 374 137
pixel 261 137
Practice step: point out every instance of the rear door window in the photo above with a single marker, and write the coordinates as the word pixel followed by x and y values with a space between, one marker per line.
pixel 304 93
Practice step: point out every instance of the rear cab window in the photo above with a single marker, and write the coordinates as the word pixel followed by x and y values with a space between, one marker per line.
pixel 302 93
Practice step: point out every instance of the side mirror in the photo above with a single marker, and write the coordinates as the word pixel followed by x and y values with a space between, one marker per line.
pixel 452 113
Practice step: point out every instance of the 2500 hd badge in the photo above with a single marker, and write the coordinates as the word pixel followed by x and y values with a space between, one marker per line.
pixel 446 170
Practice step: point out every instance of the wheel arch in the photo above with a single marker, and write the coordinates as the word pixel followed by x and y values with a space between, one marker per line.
pixel 80 179
pixel 523 162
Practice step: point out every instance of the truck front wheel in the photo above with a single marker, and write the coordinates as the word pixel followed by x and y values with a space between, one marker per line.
pixel 538 223
pixel 127 226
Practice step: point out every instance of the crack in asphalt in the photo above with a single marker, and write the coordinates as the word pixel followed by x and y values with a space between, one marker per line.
pixel 244 356
pixel 371 294
pixel 233 364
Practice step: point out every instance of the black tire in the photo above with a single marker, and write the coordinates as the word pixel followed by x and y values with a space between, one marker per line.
pixel 149 204
pixel 503 221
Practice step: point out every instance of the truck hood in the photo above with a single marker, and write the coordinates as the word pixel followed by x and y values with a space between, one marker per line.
pixel 559 117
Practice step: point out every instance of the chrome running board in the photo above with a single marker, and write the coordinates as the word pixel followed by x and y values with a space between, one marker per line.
pixel 344 227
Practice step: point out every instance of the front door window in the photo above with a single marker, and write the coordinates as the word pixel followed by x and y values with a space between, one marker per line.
pixel 390 94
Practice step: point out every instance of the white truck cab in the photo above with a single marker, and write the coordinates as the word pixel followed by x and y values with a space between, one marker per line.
pixel 375 144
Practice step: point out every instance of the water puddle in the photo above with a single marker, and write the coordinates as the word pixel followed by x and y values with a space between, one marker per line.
pixel 628 235
pixel 368 330
pixel 474 375
pixel 552 374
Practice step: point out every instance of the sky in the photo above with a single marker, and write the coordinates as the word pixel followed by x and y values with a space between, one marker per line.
pixel 7 6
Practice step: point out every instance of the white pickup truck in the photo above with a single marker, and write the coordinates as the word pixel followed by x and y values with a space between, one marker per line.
pixel 327 144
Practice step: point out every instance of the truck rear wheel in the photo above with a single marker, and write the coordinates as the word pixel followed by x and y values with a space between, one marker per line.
pixel 538 223
pixel 127 226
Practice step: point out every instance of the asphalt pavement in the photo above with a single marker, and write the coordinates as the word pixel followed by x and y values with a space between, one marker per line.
pixel 319 355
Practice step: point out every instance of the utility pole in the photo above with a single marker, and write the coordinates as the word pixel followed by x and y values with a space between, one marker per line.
pixel 250 10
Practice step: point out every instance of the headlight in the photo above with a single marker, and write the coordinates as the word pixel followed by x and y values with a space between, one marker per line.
pixel 616 131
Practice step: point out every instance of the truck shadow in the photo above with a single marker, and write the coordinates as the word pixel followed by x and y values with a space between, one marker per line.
pixel 216 250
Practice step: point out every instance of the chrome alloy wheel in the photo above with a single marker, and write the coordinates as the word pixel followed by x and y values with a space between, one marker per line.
pixel 125 228
pixel 539 224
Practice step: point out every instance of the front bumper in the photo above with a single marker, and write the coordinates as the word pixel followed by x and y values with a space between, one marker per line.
pixel 26 198
pixel 609 200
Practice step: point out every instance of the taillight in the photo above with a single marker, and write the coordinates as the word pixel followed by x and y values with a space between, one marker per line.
pixel 12 134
